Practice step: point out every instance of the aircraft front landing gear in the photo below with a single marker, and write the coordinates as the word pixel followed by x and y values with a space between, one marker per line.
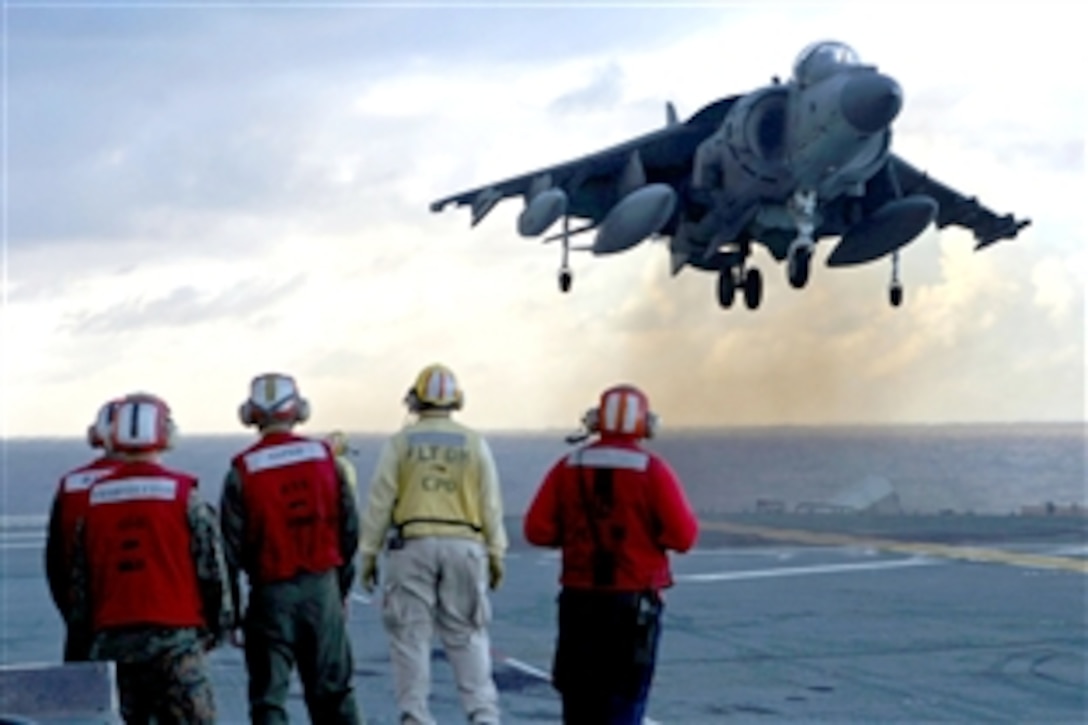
pixel 566 279
pixel 802 207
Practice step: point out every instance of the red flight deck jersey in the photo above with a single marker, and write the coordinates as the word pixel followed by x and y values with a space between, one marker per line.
pixel 139 548
pixel 635 505
pixel 72 492
pixel 292 497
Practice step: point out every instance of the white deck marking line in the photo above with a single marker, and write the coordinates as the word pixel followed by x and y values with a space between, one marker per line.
pixel 946 551
pixel 540 674
pixel 802 570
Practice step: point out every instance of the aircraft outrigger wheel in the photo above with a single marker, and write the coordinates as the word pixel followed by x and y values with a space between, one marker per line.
pixel 566 279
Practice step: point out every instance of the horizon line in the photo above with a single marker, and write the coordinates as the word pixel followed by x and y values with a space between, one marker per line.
pixel 567 430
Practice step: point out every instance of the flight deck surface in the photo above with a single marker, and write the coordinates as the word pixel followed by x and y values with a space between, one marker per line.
pixel 772 619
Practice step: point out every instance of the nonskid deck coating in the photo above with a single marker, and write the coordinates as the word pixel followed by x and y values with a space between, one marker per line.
pixel 848 626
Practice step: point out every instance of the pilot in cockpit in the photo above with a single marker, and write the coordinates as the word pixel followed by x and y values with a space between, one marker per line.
pixel 820 60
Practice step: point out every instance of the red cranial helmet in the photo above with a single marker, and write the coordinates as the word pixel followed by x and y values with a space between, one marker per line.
pixel 624 410
pixel 141 424
pixel 98 431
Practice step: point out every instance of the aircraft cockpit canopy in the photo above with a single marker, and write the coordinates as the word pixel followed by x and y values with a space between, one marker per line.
pixel 820 60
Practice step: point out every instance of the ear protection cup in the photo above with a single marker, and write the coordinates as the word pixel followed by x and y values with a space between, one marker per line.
pixel 245 414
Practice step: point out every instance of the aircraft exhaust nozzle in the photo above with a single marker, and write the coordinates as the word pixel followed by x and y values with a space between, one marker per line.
pixel 638 215
pixel 543 211
pixel 871 101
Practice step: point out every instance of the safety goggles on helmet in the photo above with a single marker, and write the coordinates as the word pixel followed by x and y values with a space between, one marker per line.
pixel 141 424
pixel 99 430
pixel 435 387
pixel 273 398
pixel 624 410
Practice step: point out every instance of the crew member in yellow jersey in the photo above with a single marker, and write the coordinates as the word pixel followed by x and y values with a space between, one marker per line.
pixel 338 442
pixel 435 506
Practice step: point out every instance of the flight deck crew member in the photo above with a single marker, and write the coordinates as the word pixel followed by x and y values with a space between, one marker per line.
pixel 435 491
pixel 69 507
pixel 338 442
pixel 614 509
pixel 150 575
pixel 291 524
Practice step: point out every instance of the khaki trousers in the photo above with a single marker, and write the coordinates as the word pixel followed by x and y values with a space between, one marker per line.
pixel 438 585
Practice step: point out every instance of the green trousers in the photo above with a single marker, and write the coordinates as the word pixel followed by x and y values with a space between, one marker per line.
pixel 299 622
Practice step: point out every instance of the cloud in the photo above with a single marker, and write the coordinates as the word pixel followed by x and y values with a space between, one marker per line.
pixel 602 93
pixel 184 306
pixel 160 153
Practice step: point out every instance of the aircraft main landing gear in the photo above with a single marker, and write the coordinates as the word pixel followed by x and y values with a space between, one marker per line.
pixel 752 285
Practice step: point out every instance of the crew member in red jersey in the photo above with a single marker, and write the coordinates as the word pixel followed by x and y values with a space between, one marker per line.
pixel 615 509
pixel 290 522
pixel 149 573
pixel 69 507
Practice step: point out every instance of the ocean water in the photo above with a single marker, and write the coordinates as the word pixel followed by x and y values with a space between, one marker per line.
pixel 993 469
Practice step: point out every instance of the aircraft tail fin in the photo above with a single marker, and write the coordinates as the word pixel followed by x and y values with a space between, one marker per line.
pixel 670 114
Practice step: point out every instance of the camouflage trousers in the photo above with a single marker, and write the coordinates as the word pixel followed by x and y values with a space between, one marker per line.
pixel 162 677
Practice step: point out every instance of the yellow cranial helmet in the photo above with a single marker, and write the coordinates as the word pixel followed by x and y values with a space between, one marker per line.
pixel 435 388
pixel 338 442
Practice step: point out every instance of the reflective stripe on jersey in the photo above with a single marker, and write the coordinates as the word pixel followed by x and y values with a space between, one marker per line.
pixel 604 457
pixel 285 454
pixel 435 438
pixel 134 489
pixel 82 480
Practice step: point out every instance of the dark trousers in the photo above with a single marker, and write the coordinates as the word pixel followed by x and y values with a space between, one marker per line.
pixel 606 655
pixel 77 644
pixel 300 621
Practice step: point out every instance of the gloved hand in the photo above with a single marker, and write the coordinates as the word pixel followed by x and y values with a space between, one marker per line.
pixel 369 574
pixel 494 571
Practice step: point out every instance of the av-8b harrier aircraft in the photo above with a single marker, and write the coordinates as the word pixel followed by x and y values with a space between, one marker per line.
pixel 784 166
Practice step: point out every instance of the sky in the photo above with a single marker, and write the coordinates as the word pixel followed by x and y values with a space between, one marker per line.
pixel 195 193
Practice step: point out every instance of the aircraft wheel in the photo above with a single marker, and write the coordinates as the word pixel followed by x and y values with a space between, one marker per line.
pixel 798 267
pixel 895 295
pixel 727 288
pixel 753 289
pixel 566 279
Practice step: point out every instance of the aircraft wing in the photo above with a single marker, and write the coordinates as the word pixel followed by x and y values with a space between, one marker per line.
pixel 955 208
pixel 666 155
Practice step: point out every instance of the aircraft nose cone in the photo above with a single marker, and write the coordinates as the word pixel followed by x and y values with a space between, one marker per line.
pixel 870 101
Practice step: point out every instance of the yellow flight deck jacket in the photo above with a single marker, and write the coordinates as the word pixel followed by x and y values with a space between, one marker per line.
pixel 435 477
